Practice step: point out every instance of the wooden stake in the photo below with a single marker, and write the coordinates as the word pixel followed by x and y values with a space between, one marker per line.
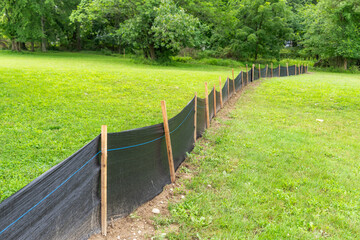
pixel 287 69
pixel 207 106
pixel 242 78
pixel 295 70
pixel 104 179
pixel 168 142
pixel 221 101
pixel 247 74
pixel 272 75
pixel 195 118
pixel 279 70
pixel 253 72
pixel 124 52
pixel 214 101
pixel 259 71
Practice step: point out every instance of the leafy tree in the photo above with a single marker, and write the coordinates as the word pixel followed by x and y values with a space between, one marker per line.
pixel 263 27
pixel 160 29
pixel 333 30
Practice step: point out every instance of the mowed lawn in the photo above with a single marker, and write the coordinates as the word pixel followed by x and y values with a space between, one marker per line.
pixel 285 164
pixel 52 104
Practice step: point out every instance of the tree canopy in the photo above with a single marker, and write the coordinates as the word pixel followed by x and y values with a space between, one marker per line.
pixel 242 29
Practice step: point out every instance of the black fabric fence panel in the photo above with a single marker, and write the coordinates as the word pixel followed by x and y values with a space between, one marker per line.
pixel 256 74
pixel 218 104
pixel 182 133
pixel 249 77
pixel 211 104
pixel 283 71
pixel 231 87
pixel 63 203
pixel 200 117
pixel 276 72
pixel 137 168
pixel 239 81
pixel 263 72
pixel 292 70
pixel 224 90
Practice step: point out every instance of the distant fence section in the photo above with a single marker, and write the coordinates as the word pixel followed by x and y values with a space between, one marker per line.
pixel 70 200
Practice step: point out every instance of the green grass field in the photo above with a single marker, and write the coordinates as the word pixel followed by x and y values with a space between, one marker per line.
pixel 273 170
pixel 52 104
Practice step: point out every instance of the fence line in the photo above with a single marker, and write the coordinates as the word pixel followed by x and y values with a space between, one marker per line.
pixel 129 178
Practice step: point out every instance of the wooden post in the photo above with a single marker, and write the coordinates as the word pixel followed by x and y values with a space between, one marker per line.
pixel 247 74
pixel 272 75
pixel 279 70
pixel 299 69
pixel 253 72
pixel 295 70
pixel 259 71
pixel 228 86
pixel 233 80
pixel 124 52
pixel 221 102
pixel 287 69
pixel 104 179
pixel 168 142
pixel 214 101
pixel 267 68
pixel 307 68
pixel 195 118
pixel 207 106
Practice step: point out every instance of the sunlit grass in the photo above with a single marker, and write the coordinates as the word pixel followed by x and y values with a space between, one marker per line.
pixel 52 104
pixel 284 166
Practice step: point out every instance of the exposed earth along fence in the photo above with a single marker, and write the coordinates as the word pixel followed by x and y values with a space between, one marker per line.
pixel 66 201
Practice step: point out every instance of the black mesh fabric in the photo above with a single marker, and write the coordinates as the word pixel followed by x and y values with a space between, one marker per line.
pixel 256 74
pixel 231 87
pixel 283 71
pixel 263 72
pixel 182 133
pixel 239 81
pixel 292 70
pixel 138 166
pixel 200 117
pixel 211 104
pixel 218 103
pixel 63 203
pixel 276 72
pixel 249 77
pixel 224 90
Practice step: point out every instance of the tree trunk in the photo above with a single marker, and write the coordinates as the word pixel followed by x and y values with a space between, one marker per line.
pixel 14 45
pixel 32 46
pixel 345 63
pixel 152 51
pixel 43 39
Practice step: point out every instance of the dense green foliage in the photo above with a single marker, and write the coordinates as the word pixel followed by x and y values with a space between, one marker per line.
pixel 241 29
pixel 271 170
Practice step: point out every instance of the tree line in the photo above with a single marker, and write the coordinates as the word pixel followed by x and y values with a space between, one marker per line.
pixel 241 29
